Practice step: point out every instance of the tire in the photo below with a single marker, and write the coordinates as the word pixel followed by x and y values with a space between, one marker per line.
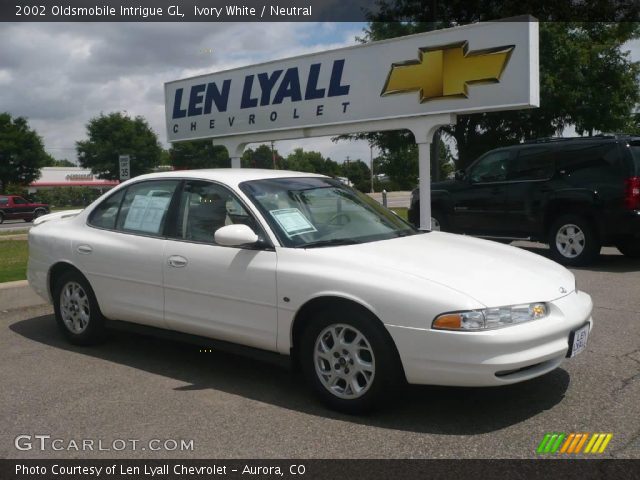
pixel 38 213
pixel 630 247
pixel 322 360
pixel 76 310
pixel 573 241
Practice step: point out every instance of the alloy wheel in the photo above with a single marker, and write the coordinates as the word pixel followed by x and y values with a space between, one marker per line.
pixel 570 241
pixel 74 307
pixel 344 361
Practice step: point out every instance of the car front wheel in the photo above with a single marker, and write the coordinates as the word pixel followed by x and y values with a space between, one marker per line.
pixel 76 310
pixel 573 241
pixel 348 361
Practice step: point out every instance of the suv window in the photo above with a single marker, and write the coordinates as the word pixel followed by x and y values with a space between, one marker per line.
pixel 491 168
pixel 591 161
pixel 532 163
pixel 4 201
pixel 204 207
pixel 145 206
pixel 19 201
pixel 634 148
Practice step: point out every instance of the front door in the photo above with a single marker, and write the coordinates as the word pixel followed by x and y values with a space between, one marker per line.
pixel 227 293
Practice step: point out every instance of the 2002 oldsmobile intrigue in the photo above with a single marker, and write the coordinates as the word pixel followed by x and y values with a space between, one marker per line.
pixel 301 265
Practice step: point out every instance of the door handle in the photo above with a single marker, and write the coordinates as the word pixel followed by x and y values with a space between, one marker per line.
pixel 177 261
pixel 85 249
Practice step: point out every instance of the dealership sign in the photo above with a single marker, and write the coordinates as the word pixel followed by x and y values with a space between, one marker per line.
pixel 474 68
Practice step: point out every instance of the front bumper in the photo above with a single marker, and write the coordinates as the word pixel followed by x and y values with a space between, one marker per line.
pixel 493 357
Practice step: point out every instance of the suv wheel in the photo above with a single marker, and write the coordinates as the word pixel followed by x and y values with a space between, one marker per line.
pixel 573 241
pixel 76 310
pixel 630 247
pixel 438 222
pixel 348 361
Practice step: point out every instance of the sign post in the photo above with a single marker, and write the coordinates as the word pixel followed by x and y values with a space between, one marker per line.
pixel 125 167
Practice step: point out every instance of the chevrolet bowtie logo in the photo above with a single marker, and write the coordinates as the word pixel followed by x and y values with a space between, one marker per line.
pixel 446 71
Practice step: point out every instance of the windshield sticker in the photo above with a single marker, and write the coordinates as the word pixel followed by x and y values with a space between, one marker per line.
pixel 292 221
pixel 146 213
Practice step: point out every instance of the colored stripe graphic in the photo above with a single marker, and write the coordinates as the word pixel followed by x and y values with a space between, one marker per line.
pixel 573 443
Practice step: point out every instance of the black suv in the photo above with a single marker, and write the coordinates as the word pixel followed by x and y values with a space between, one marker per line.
pixel 576 194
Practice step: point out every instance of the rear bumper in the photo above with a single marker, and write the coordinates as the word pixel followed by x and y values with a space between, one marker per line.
pixel 496 357
pixel 620 225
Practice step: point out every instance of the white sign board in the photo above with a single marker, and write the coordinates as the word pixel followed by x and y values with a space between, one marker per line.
pixel 125 167
pixel 473 68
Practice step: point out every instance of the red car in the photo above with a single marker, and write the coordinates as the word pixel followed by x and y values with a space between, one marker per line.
pixel 13 207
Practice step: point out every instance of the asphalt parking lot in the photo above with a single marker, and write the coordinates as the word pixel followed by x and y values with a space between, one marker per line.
pixel 138 387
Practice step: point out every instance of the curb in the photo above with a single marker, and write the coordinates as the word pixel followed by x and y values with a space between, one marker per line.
pixel 18 295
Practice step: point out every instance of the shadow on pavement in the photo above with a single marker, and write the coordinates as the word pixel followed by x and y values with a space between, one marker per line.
pixel 426 409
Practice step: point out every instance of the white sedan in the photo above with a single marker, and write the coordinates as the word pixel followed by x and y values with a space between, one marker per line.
pixel 301 265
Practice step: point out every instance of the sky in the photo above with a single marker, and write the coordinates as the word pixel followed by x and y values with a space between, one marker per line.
pixel 61 75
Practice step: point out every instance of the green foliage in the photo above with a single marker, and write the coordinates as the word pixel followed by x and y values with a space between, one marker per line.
pixel 585 78
pixel 261 157
pixel 198 154
pixel 66 196
pixel 359 173
pixel 312 162
pixel 21 152
pixel 118 134
pixel 52 162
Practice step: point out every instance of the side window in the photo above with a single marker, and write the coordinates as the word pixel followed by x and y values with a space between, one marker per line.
pixel 491 168
pixel 592 161
pixel 4 201
pixel 533 163
pixel 19 201
pixel 105 214
pixel 144 207
pixel 205 207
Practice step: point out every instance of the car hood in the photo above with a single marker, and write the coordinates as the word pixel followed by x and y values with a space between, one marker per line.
pixel 492 273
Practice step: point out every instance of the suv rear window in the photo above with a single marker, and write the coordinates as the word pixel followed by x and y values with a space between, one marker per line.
pixel 4 201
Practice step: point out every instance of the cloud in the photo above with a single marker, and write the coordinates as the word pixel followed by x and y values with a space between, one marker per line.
pixel 61 75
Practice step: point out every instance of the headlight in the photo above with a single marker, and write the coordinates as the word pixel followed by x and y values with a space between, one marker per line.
pixel 488 318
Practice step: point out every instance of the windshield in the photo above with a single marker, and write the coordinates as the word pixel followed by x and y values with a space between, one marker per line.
pixel 314 212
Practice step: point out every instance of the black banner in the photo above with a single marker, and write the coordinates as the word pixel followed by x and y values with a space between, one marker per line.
pixel 318 469
pixel 443 11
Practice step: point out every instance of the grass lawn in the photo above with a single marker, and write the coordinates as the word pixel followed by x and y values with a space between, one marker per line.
pixel 401 211
pixel 13 260
pixel 13 232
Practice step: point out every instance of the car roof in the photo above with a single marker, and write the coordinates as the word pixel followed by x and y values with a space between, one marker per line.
pixel 229 176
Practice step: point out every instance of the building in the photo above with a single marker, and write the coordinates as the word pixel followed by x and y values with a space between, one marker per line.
pixel 52 177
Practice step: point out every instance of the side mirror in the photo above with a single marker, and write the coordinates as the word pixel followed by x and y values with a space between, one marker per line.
pixel 235 235
pixel 460 175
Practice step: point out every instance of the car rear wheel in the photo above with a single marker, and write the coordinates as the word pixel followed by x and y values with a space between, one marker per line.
pixel 348 361
pixel 38 213
pixel 573 241
pixel 76 310
pixel 630 247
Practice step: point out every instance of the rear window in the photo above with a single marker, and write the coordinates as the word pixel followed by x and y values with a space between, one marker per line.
pixel 4 201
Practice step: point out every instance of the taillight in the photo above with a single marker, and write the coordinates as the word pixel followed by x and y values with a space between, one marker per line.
pixel 632 193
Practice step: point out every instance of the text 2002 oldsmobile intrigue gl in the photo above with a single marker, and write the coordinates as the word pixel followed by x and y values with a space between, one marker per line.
pixel 301 265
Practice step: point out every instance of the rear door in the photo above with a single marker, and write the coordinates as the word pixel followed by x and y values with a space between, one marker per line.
pixel 122 252
pixel 529 177
pixel 479 203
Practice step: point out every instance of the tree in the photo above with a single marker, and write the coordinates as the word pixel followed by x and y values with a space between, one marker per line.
pixel 52 162
pixel 21 152
pixel 118 134
pixel 261 157
pixel 312 162
pixel 585 78
pixel 359 173
pixel 198 154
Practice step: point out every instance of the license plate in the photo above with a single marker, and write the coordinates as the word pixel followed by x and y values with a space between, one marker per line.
pixel 578 341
